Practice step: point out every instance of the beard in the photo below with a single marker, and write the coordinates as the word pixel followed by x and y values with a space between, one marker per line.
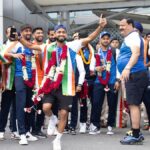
pixel 39 40
pixel 28 38
pixel 52 39
pixel 61 40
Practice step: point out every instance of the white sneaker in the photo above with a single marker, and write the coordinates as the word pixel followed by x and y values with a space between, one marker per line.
pixel 52 126
pixel 30 137
pixel 23 140
pixel 94 130
pixel 15 135
pixel 110 132
pixel 56 145
pixel 2 136
pixel 82 128
pixel 55 132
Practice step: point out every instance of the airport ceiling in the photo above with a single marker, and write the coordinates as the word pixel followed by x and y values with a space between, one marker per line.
pixel 43 7
pixel 67 2
pixel 75 5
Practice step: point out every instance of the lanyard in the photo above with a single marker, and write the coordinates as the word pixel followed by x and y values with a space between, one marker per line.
pixel 103 56
pixel 58 54
pixel 86 53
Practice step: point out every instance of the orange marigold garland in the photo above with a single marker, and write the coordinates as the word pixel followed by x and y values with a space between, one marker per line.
pixel 87 62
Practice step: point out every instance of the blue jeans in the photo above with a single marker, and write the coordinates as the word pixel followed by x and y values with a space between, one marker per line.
pixel 23 99
pixel 98 99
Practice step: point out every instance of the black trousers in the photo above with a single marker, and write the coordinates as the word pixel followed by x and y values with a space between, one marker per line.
pixel 8 99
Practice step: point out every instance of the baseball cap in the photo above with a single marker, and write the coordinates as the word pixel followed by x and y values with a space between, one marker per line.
pixel 103 34
pixel 59 26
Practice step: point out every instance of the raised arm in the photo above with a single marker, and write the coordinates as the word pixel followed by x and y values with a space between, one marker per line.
pixel 30 45
pixel 8 51
pixel 93 35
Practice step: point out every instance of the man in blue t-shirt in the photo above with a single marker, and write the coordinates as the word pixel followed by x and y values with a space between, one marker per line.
pixel 23 92
pixel 133 72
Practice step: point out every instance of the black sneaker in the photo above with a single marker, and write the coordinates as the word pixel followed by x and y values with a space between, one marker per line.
pixel 72 131
pixel 40 134
pixel 66 130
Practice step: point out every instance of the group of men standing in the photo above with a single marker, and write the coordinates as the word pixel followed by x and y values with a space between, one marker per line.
pixel 59 73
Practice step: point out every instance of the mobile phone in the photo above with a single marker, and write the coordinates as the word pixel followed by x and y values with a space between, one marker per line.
pixel 12 32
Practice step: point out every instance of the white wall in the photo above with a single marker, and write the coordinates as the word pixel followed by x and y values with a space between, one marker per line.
pixel 16 13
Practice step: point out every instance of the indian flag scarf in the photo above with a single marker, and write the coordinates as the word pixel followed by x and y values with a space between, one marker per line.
pixel 68 82
pixel 10 69
pixel 39 66
pixel 3 59
pixel 47 54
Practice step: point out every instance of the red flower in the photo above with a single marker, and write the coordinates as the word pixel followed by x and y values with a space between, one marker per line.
pixel 49 84
pixel 64 54
pixel 51 62
pixel 84 92
pixel 30 82
pixel 58 81
pixel 98 63
pixel 24 60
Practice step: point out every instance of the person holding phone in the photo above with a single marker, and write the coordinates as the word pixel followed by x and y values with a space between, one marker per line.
pixel 23 91
pixel 8 95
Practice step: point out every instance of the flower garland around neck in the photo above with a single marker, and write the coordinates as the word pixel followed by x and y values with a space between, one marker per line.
pixel 108 66
pixel 54 75
pixel 29 82
pixel 87 62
